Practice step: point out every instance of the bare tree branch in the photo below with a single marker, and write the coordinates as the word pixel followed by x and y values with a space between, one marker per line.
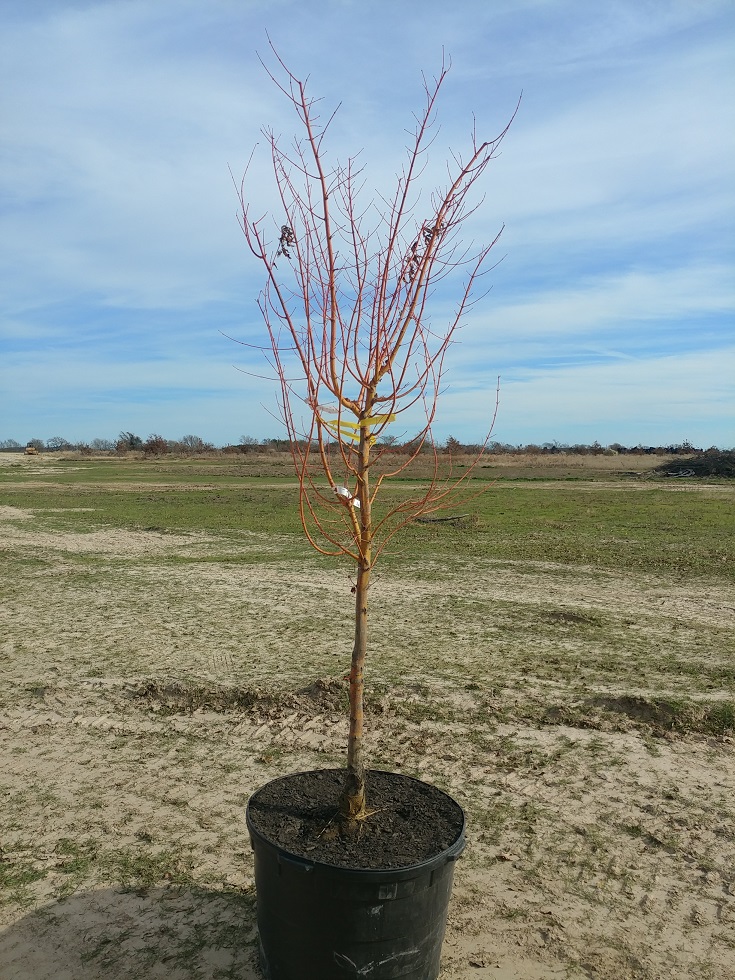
pixel 346 307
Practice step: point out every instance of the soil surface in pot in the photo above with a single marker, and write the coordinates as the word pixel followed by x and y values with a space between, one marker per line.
pixel 412 821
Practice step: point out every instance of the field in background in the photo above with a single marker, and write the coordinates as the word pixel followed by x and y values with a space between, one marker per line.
pixel 277 463
pixel 562 660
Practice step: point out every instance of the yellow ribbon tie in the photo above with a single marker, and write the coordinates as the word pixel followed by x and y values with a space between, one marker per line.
pixel 362 424
pixel 350 430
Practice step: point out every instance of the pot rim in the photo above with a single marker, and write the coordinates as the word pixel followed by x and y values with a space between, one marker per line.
pixel 448 854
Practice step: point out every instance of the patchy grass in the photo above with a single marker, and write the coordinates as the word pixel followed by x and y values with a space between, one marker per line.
pixel 652 526
pixel 561 662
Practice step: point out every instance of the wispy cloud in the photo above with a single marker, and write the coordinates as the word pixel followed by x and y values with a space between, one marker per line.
pixel 626 305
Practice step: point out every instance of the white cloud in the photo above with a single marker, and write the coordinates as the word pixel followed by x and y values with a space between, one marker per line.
pixel 656 400
pixel 622 301
pixel 692 392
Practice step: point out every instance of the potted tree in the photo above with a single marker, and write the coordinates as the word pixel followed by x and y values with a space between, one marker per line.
pixel 346 307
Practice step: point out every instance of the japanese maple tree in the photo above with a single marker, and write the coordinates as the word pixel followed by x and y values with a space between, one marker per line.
pixel 346 304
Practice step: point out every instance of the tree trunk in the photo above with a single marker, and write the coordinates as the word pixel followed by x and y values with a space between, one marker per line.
pixel 353 796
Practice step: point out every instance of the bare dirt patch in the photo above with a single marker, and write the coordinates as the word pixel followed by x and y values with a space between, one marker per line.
pixel 148 687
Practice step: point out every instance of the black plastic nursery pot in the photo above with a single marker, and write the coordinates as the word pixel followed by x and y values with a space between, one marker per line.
pixel 324 920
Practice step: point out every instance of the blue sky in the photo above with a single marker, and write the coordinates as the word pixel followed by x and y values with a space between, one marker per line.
pixel 124 271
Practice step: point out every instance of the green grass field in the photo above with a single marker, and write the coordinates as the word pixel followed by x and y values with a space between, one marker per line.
pixel 650 526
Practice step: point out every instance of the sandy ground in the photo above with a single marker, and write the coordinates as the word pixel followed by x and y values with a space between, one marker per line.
pixel 147 688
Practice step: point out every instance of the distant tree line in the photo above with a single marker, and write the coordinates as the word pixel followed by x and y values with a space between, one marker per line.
pixel 455 447
pixel 596 449
pixel 157 445
pixel 154 445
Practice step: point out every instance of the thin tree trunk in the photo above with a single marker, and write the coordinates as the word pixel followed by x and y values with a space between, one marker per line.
pixel 353 796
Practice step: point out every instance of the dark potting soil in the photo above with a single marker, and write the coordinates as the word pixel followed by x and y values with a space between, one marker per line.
pixel 412 821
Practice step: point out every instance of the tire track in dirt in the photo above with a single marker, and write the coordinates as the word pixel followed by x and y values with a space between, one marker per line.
pixel 312 733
